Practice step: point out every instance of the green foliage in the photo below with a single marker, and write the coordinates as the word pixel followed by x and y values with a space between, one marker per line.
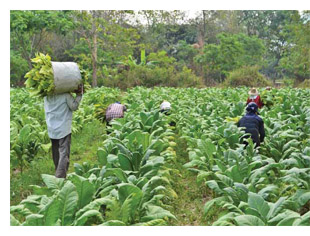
pixel 232 52
pixel 246 76
pixel 40 79
pixel 159 70
pixel 251 186
pixel 304 84
pixel 126 188
pixel 295 60
pixel 185 53
pixel 98 40
pixel 18 68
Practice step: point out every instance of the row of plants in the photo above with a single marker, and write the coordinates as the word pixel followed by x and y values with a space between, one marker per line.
pixel 28 131
pixel 128 186
pixel 251 186
pixel 131 184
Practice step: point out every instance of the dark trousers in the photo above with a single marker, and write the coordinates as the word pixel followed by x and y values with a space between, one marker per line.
pixel 61 155
pixel 108 125
pixel 254 137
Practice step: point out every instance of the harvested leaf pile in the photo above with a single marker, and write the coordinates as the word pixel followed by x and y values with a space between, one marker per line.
pixel 40 79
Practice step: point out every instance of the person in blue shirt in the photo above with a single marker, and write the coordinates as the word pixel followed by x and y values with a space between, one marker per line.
pixel 253 124
pixel 58 114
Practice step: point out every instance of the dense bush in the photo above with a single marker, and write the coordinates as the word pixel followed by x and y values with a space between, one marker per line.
pixel 18 68
pixel 157 69
pixel 230 53
pixel 150 77
pixel 304 84
pixel 246 76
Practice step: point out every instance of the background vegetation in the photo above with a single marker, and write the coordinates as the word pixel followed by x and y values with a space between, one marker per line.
pixel 152 48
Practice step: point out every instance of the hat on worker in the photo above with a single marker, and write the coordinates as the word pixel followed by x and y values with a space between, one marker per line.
pixel 253 92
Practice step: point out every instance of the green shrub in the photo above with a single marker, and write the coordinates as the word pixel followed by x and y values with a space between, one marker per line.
pixel 152 76
pixel 288 82
pixel 246 76
pixel 304 84
pixel 18 69
pixel 186 78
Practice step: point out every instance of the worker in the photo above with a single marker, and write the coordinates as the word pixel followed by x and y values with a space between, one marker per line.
pixel 254 125
pixel 165 107
pixel 114 110
pixel 254 97
pixel 58 114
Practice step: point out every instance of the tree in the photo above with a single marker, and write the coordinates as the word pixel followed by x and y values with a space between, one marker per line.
pixel 232 52
pixel 296 59
pixel 271 27
pixel 161 29
pixel 103 33
pixel 30 28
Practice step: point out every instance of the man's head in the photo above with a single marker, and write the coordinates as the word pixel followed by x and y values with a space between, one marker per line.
pixel 117 102
pixel 252 107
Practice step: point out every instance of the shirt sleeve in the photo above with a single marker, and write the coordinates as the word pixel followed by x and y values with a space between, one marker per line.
pixel 124 109
pixel 248 101
pixel 260 103
pixel 73 103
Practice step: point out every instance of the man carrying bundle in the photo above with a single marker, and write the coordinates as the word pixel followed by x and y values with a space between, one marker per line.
pixel 58 113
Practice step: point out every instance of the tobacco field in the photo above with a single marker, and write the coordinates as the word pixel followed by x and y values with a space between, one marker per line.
pixel 148 173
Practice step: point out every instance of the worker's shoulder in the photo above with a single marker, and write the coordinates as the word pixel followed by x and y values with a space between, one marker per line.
pixel 56 97
pixel 257 117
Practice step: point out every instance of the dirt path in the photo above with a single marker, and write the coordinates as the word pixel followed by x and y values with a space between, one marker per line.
pixel 188 207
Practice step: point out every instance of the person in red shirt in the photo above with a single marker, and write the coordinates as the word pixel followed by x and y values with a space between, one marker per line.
pixel 254 97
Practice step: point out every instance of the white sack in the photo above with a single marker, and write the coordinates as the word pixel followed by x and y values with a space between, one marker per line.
pixel 67 76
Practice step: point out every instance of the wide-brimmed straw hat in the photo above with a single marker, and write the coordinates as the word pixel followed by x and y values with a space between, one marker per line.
pixel 253 91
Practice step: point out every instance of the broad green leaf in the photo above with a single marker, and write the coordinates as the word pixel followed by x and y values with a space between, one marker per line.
pixel 215 201
pixel 86 215
pixel 94 205
pixel 102 156
pixel 51 212
pixel 24 134
pixel 119 173
pixel 114 223
pixel 34 220
pixel 212 184
pixel 68 198
pixel 304 221
pixel 156 212
pixel 304 198
pixel 289 221
pixel 287 214
pixel 248 220
pixel 276 207
pixel 13 221
pixel 20 209
pixel 84 188
pixel 258 203
pixel 125 190
pixel 52 182
pixel 125 162
pixel 157 222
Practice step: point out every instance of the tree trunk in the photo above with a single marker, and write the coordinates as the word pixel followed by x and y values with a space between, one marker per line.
pixel 94 56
